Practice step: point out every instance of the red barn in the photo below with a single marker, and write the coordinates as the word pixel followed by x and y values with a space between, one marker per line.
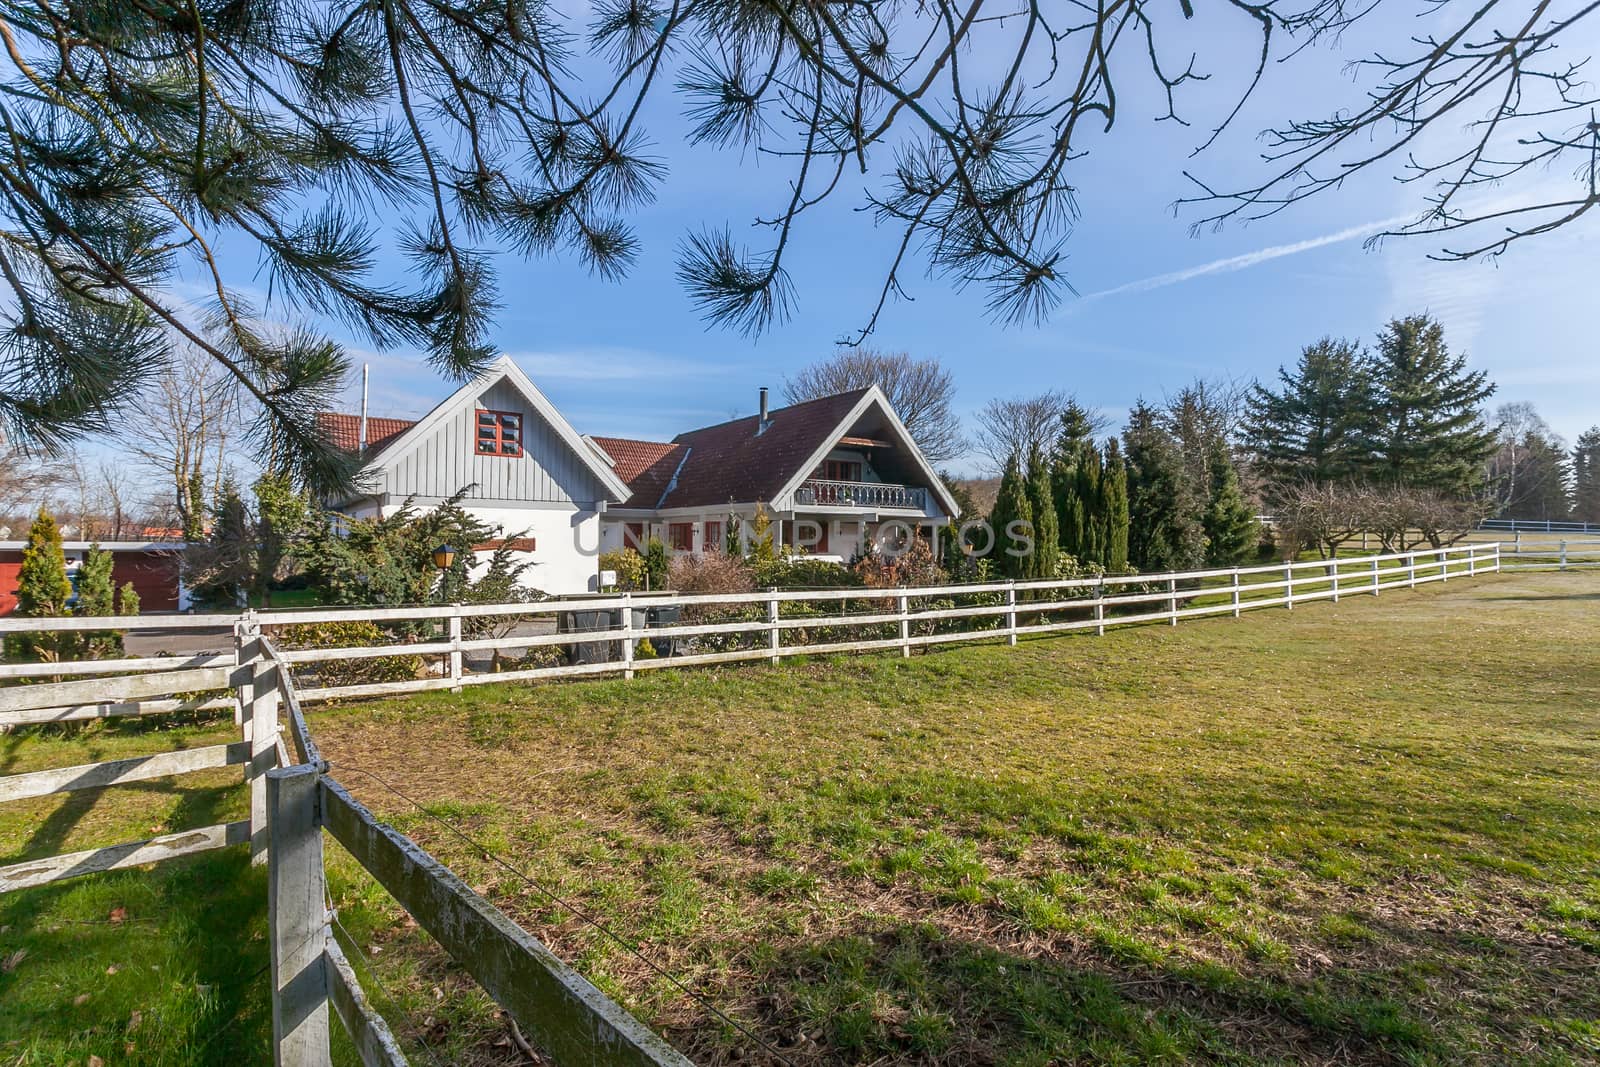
pixel 152 567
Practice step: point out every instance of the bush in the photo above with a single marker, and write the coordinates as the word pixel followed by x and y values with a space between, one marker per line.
pixel 710 572
pixel 629 566
pixel 352 634
pixel 915 566
pixel 804 573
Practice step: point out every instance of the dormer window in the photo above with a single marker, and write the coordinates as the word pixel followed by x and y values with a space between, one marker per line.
pixel 499 433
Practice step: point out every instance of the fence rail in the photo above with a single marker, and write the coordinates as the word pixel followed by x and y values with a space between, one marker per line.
pixel 294 802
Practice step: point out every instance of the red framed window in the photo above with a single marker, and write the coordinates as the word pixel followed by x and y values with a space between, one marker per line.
pixel 713 541
pixel 680 536
pixel 499 433
pixel 841 470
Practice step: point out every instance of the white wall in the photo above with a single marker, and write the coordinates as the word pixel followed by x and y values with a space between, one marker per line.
pixel 565 543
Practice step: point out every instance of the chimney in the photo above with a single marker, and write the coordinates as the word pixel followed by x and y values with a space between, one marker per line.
pixel 361 434
pixel 761 424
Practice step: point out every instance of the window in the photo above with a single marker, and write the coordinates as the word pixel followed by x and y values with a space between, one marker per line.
pixel 499 433
pixel 680 536
pixel 841 470
pixel 713 542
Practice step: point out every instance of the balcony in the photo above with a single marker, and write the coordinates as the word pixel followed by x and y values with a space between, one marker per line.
pixel 823 492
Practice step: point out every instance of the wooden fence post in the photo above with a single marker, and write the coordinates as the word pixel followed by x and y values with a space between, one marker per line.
pixel 905 626
pixel 1288 584
pixel 1011 614
pixel 1236 592
pixel 297 919
pixel 1563 553
pixel 1472 561
pixel 627 635
pixel 1375 580
pixel 1497 557
pixel 455 648
pixel 257 681
pixel 1444 563
pixel 1411 568
pixel 1172 599
pixel 1333 569
pixel 1100 608
pixel 773 633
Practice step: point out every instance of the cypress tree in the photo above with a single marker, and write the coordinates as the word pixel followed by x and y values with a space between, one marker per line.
pixel 1089 489
pixel 1046 537
pixel 1586 476
pixel 97 598
pixel 1318 425
pixel 1164 516
pixel 1114 517
pixel 1431 431
pixel 1229 524
pixel 1011 505
pixel 43 591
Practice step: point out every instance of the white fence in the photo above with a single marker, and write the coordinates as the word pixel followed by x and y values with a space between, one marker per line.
pixel 293 801
pixel 736 627
pixel 1538 526
pixel 1546 553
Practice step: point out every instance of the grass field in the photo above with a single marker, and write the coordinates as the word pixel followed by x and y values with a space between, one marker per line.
pixel 1362 832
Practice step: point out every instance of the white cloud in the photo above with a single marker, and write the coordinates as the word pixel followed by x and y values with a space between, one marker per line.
pixel 1248 259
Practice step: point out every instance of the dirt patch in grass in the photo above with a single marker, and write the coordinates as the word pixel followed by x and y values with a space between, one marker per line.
pixel 1360 832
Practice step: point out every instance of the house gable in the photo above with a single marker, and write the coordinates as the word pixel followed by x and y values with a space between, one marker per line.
pixel 439 455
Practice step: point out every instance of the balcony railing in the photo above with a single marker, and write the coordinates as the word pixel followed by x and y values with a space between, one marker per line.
pixel 862 495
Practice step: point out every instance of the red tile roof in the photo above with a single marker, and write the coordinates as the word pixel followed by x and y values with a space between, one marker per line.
pixel 647 466
pixel 729 462
pixel 345 430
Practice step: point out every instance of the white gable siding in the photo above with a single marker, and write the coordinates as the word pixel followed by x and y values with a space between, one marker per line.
pixel 547 472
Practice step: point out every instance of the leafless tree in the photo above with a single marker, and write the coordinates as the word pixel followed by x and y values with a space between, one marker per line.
pixel 24 482
pixel 1203 415
pixel 921 392
pixel 180 429
pixel 1320 515
pixel 1495 72
pixel 1517 426
pixel 1017 425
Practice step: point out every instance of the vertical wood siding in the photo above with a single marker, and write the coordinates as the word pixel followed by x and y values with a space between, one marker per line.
pixel 447 459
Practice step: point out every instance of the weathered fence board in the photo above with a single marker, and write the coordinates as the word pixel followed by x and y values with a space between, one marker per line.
pixel 116 772
pixel 113 690
pixel 79 712
pixel 374 1041
pixel 558 1008
pixel 115 857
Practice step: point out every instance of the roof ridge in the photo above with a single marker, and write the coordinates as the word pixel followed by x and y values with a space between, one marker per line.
pixel 774 412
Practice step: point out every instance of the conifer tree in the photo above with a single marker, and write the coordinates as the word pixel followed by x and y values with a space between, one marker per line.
pixel 1317 426
pixel 1046 539
pixel 1114 517
pixel 1164 514
pixel 1229 523
pixel 43 591
pixel 1011 506
pixel 97 598
pixel 1586 477
pixel 1430 429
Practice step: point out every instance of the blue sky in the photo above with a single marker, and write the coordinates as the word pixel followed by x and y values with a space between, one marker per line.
pixel 1158 307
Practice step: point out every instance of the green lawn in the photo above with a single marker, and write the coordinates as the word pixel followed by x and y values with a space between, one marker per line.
pixel 1362 832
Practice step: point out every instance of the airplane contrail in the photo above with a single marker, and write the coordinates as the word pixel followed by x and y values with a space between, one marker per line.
pixel 1248 259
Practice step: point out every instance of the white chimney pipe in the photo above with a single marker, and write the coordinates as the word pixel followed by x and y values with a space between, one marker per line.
pixel 761 424
pixel 361 434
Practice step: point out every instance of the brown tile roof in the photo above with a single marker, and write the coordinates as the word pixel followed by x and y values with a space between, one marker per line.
pixel 730 462
pixel 345 430
pixel 647 466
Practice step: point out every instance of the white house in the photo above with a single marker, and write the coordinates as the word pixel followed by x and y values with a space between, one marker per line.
pixel 833 473
pixel 524 467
